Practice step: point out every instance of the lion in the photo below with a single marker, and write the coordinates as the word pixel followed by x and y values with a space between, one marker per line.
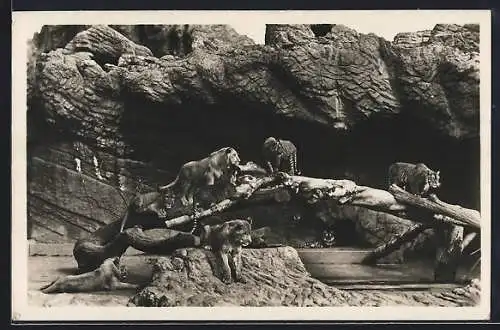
pixel 203 172
pixel 150 202
pixel 226 241
pixel 108 276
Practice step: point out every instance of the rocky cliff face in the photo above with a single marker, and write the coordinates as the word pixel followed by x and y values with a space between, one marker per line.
pixel 122 107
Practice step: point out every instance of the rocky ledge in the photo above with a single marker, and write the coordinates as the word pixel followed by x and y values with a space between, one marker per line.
pixel 274 277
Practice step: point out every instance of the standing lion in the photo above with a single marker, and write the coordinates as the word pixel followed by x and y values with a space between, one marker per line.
pixel 204 172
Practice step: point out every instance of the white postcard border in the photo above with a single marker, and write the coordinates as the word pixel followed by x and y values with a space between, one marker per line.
pixel 25 23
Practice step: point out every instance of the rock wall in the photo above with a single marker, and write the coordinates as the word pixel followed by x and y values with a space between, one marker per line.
pixel 117 109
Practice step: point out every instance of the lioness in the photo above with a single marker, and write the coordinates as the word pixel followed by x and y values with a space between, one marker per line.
pixel 227 241
pixel 107 277
pixel 203 172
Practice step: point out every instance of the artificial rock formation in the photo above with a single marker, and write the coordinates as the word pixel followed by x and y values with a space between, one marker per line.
pixel 113 109
pixel 274 277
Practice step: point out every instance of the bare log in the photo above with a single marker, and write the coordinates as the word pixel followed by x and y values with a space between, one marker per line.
pixel 314 189
pixel 278 194
pixel 169 241
pixel 457 215
pixel 472 213
pixel 252 169
pixel 91 254
pixel 344 191
pixel 394 243
pixel 244 191
pixel 376 199
pixel 219 207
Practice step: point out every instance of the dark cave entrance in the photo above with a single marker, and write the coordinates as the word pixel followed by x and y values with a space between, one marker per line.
pixel 172 135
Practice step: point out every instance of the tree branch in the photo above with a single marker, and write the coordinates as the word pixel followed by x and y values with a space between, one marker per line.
pixel 454 214
pixel 394 243
pixel 244 191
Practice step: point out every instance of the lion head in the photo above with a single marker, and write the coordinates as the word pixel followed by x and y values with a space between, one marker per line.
pixel 239 231
pixel 227 157
pixel 234 232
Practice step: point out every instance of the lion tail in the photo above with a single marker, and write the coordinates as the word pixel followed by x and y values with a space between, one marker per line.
pixel 168 186
pixel 50 288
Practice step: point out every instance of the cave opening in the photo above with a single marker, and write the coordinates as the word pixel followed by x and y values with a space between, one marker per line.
pixel 170 135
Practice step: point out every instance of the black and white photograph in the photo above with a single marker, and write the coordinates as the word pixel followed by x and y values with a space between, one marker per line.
pixel 246 165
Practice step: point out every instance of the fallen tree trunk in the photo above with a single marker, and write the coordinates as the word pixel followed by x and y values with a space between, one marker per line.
pixel 93 252
pixel 474 214
pixel 376 199
pixel 343 191
pixel 244 191
pixel 166 243
pixel 455 214
pixel 89 255
pixel 277 194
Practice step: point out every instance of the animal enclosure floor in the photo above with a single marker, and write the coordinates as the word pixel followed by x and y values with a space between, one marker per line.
pixel 342 266
pixel 44 269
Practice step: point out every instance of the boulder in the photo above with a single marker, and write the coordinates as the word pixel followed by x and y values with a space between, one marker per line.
pixel 274 277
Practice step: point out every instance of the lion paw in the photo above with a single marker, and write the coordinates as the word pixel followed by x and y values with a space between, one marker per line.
pixel 226 279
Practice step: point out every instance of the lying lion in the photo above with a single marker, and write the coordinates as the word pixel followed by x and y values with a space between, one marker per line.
pixel 107 277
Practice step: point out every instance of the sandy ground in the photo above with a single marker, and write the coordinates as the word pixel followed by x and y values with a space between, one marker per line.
pixel 44 269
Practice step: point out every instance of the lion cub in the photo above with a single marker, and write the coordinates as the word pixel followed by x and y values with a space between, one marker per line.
pixel 108 276
pixel 227 241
